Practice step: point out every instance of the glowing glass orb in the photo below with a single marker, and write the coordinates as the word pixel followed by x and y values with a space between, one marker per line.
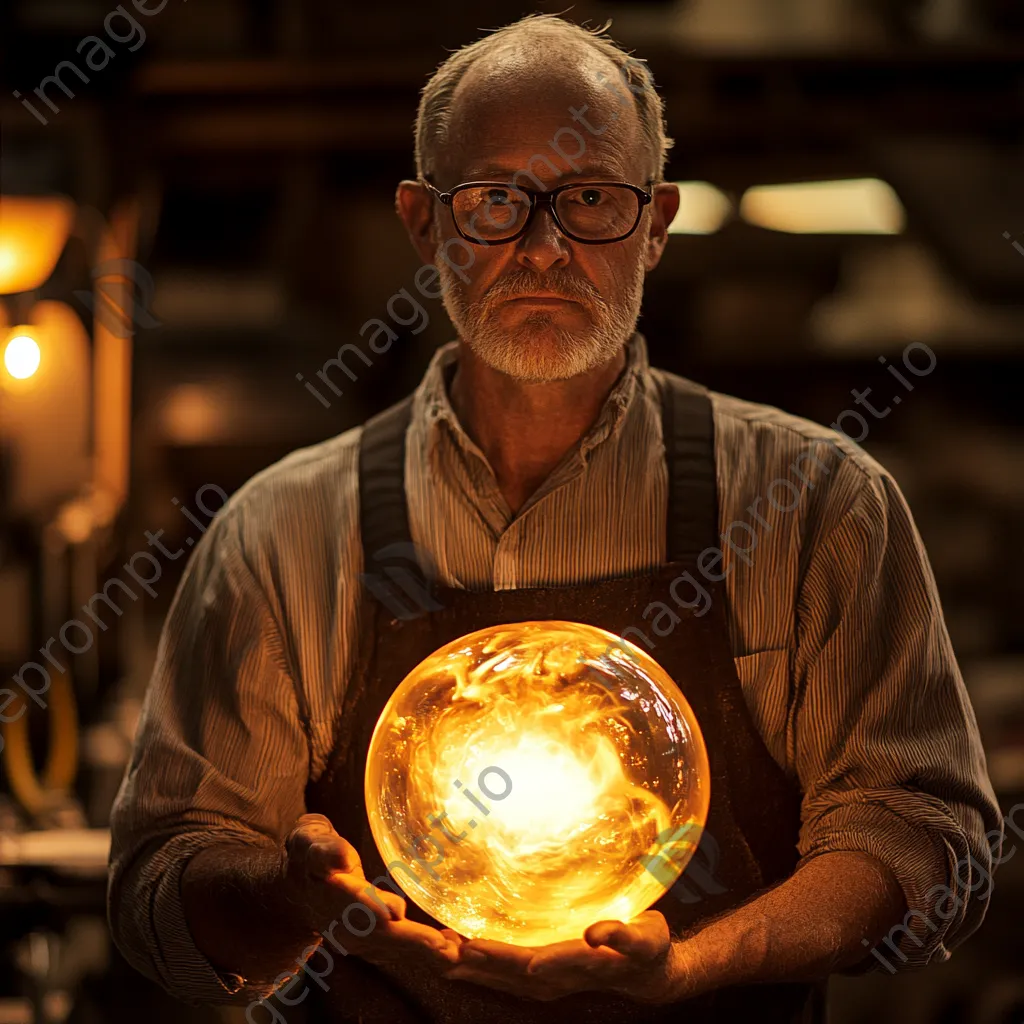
pixel 528 780
pixel 21 356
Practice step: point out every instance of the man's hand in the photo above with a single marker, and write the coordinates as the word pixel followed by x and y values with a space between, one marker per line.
pixel 324 876
pixel 638 960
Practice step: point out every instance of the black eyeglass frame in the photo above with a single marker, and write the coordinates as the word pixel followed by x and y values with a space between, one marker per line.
pixel 547 198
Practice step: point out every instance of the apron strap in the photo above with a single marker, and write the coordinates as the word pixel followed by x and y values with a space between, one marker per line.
pixel 388 551
pixel 398 574
pixel 689 435
pixel 383 511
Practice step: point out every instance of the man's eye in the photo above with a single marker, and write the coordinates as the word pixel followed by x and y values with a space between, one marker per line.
pixel 498 197
pixel 590 197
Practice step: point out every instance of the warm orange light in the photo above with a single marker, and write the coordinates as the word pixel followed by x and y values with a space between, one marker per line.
pixel 21 353
pixel 33 233
pixel 521 781
pixel 44 417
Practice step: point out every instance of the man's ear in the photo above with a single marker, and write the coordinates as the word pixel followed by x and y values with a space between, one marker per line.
pixel 664 207
pixel 415 205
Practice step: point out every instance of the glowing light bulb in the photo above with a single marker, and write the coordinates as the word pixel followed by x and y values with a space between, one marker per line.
pixel 21 355
pixel 522 779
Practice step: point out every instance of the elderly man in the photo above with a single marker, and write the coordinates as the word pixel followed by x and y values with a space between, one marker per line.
pixel 543 470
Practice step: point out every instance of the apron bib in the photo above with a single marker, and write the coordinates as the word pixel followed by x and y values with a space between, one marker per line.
pixel 754 814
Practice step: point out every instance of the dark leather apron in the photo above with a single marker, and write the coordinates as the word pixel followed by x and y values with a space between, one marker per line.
pixel 754 810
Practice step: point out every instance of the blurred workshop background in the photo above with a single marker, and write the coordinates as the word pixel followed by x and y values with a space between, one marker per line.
pixel 197 212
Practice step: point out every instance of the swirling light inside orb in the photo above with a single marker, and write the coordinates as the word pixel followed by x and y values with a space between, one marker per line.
pixel 528 780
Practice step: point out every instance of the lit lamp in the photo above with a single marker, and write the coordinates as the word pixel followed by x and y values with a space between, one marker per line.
pixel 523 779
pixel 33 232
pixel 44 406
pixel 21 353
pixel 44 378
pixel 52 381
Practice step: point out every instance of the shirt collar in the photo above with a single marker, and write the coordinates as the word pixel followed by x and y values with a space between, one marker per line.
pixel 431 400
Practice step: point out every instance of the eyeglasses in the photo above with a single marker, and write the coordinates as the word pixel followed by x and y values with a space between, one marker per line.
pixel 495 212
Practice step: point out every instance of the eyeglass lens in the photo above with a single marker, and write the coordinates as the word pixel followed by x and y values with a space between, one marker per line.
pixel 492 213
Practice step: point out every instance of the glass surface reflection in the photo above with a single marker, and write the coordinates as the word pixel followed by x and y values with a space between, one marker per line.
pixel 521 779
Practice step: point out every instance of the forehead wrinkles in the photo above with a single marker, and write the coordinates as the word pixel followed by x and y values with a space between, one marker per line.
pixel 514 105
pixel 539 165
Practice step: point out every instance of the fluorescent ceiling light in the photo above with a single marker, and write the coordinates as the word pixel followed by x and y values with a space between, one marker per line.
pixel 860 206
pixel 703 209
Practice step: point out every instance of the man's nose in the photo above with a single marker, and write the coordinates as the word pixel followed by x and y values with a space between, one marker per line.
pixel 543 246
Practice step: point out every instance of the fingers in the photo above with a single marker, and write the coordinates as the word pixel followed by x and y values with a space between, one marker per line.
pixel 553 971
pixel 613 934
pixel 318 824
pixel 321 856
pixel 336 862
pixel 385 906
pixel 455 940
pixel 394 903
pixel 575 955
pixel 314 842
pixel 400 941
pixel 499 954
pixel 564 967
pixel 326 856
pixel 416 934
pixel 494 964
pixel 645 938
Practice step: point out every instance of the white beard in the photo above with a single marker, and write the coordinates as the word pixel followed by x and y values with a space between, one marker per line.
pixel 539 350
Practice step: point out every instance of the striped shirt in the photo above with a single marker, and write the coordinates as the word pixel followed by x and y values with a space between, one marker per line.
pixel 834 618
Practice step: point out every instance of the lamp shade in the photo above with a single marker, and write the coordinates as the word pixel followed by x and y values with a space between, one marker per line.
pixel 33 233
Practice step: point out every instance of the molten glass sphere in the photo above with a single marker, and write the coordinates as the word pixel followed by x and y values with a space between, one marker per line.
pixel 528 780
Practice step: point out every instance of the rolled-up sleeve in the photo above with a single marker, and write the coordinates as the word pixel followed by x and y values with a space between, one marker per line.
pixel 881 731
pixel 221 755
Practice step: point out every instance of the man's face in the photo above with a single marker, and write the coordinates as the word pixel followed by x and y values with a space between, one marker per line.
pixel 519 128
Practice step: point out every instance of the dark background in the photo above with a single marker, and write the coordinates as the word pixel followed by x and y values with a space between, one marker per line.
pixel 254 146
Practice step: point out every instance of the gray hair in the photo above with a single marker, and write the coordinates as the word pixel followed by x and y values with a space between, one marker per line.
pixel 433 118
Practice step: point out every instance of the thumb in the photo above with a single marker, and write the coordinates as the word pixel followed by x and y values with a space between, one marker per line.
pixel 645 937
pixel 612 934
pixel 311 826
pixel 330 854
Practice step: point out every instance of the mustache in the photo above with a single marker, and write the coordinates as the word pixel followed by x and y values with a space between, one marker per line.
pixel 564 285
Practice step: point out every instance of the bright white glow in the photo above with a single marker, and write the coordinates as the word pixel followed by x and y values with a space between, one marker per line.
pixel 21 356
pixel 859 206
pixel 703 209
pixel 530 822
pixel 8 259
